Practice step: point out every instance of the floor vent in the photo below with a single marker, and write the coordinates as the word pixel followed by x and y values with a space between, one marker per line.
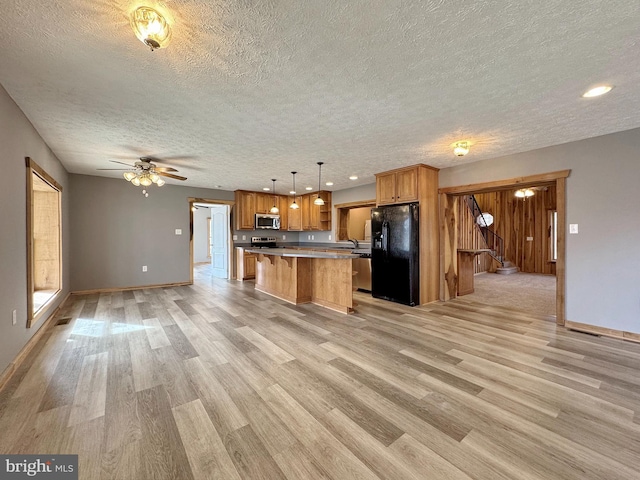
pixel 63 321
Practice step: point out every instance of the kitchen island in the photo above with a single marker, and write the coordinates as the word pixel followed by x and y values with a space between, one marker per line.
pixel 306 276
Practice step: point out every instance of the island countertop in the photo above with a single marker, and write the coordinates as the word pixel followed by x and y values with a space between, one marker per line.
pixel 292 252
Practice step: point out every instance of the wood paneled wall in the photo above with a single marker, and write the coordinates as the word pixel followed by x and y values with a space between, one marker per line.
pixel 524 225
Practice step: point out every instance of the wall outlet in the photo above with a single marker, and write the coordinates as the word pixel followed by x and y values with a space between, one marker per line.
pixel 313 237
pixel 308 237
pixel 14 317
pixel 178 231
pixel 329 237
pixel 235 237
pixel 244 237
pixel 144 268
pixel 573 228
pixel 284 237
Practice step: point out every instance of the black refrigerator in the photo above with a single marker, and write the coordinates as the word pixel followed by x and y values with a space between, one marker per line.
pixel 395 253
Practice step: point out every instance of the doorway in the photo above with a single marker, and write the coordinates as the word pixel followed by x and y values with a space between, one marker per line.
pixel 450 219
pixel 210 243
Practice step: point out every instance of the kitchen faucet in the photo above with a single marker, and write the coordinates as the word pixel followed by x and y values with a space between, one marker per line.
pixel 354 241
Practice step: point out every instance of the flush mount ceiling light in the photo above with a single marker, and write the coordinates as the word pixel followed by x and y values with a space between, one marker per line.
pixel 150 27
pixel 275 208
pixel 329 184
pixel 525 193
pixel 266 189
pixel 319 200
pixel 460 149
pixel 597 91
pixel 294 205
pixel 353 177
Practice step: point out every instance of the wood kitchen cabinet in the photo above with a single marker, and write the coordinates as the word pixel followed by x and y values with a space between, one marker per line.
pixel 397 186
pixel 295 215
pixel 245 264
pixel 417 184
pixel 245 210
pixel 264 202
pixel 308 217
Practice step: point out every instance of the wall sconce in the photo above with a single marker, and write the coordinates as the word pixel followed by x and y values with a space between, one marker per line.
pixel 150 27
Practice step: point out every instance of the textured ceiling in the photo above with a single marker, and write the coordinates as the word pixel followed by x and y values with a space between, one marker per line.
pixel 251 90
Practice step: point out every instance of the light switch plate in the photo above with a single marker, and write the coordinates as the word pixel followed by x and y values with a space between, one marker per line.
pixel 235 237
pixel 178 231
pixel 244 237
pixel 284 237
pixel 144 268
pixel 573 228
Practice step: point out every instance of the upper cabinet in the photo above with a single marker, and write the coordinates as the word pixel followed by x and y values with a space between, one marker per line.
pixel 397 186
pixel 245 210
pixel 308 217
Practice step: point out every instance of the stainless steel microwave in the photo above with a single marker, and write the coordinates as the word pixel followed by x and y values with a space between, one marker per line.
pixel 267 222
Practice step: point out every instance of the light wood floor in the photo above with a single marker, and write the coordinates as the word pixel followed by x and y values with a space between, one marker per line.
pixel 218 381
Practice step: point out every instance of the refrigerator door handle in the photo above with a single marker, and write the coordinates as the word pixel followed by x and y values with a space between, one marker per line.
pixel 385 239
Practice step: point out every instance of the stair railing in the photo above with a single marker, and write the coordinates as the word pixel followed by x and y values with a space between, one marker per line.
pixel 492 240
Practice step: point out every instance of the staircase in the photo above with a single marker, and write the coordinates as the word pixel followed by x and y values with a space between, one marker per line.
pixel 492 240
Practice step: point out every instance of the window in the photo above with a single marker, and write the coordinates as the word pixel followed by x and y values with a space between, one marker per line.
pixel 44 240
pixel 553 235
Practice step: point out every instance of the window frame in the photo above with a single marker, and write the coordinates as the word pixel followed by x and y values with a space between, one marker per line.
pixel 33 169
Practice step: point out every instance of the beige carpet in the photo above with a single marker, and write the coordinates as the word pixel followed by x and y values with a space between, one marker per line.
pixel 527 292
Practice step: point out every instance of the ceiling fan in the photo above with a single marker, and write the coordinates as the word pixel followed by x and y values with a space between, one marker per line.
pixel 145 173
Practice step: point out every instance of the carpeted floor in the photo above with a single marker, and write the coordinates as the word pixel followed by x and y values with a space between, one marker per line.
pixel 528 292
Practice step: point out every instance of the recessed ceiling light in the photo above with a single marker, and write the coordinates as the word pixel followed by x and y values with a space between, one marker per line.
pixel 308 188
pixel 266 189
pixel 292 192
pixel 597 91
pixel 353 177
pixel 328 184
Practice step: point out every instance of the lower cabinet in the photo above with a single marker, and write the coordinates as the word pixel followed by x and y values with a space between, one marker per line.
pixel 245 264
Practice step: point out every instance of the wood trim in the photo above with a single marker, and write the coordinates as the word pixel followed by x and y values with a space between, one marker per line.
pixel 410 167
pixel 448 265
pixel 33 168
pixel 561 275
pixel 122 289
pixel 508 183
pixel 606 332
pixel 8 372
pixel 40 171
pixel 361 203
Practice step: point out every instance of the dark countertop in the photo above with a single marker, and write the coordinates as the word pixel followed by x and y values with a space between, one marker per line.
pixel 302 253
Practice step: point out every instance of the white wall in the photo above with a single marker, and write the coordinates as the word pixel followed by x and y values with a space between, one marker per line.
pixel 603 259
pixel 200 235
pixel 18 139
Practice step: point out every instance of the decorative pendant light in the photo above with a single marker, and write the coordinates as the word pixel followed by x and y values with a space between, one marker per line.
pixel 319 200
pixel 275 208
pixel 294 205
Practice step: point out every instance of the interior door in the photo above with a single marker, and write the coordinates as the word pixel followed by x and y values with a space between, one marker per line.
pixel 220 241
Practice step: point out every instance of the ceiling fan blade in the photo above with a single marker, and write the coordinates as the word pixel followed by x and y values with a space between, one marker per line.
pixel 170 175
pixel 165 169
pixel 122 163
